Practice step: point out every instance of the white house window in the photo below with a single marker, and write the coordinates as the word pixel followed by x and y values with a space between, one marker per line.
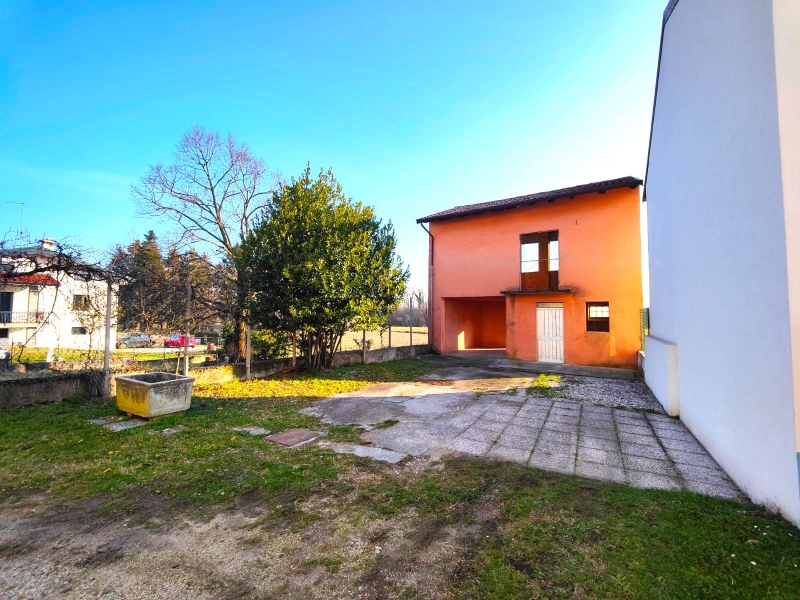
pixel 530 258
pixel 79 331
pixel 597 316
pixel 80 302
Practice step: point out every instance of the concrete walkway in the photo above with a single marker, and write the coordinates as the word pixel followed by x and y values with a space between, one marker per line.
pixel 489 413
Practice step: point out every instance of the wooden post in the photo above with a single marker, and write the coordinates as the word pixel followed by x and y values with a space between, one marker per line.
pixel 410 324
pixel 186 334
pixel 294 349
pixel 107 349
pixel 390 330
pixel 363 346
pixel 247 355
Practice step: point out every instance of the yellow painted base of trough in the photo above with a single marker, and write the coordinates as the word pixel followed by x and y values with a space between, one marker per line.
pixel 151 395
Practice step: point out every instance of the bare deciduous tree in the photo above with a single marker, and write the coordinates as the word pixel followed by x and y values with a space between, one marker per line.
pixel 213 191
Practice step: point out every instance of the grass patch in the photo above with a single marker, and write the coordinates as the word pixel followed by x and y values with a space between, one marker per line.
pixel 508 531
pixel 545 385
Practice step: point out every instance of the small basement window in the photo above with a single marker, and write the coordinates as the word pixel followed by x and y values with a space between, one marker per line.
pixel 4 332
pixel 597 316
pixel 79 331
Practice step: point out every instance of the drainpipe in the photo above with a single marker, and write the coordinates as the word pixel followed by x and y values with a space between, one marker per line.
pixel 430 284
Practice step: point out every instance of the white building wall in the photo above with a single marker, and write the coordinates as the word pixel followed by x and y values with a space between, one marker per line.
pixel 56 302
pixel 718 269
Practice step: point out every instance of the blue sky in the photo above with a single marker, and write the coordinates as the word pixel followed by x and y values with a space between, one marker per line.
pixel 417 106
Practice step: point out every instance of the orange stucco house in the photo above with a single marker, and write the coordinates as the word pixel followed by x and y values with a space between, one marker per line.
pixel 552 277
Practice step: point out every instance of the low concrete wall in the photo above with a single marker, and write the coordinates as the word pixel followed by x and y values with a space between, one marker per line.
pixel 661 373
pixel 55 387
pixel 26 391
pixel 380 355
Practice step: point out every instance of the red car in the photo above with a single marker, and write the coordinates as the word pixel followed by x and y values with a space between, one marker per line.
pixel 176 340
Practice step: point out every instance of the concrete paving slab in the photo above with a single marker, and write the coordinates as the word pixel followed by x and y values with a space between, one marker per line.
pixel 293 437
pixel 592 420
pixel 470 446
pixel 552 462
pixel 433 406
pixel 691 458
pixel 600 471
pixel 173 430
pixel 695 473
pixel 364 410
pixel 643 479
pixel 640 463
pixel 728 491
pixel 489 425
pixel 520 443
pixel 607 433
pixel 566 419
pixel 598 443
pixel 480 435
pixel 559 448
pixel 683 445
pixel 635 438
pixel 380 454
pixel 654 452
pixel 106 420
pixel 558 437
pixel 251 430
pixel 492 415
pixel 563 427
pixel 124 425
pixel 522 432
pixel 527 422
pixel 677 434
pixel 414 438
pixel 606 457
pixel 597 410
pixel 638 430
pixel 508 453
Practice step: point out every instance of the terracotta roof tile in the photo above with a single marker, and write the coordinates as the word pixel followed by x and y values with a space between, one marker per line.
pixel 37 279
pixel 588 188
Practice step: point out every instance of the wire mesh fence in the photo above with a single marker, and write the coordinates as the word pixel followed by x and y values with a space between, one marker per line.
pixel 644 325
pixel 395 336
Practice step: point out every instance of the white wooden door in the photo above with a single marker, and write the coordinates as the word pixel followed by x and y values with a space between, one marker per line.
pixel 550 332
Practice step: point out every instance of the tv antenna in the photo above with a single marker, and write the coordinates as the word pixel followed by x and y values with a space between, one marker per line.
pixel 21 215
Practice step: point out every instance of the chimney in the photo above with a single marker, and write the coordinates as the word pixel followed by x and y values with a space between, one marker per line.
pixel 47 244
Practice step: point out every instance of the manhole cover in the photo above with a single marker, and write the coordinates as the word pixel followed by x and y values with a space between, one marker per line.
pixel 293 437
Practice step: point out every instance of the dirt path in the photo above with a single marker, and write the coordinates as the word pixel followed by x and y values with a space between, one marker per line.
pixel 52 551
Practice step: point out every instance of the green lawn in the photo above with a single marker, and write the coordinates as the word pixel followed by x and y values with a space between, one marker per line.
pixel 524 533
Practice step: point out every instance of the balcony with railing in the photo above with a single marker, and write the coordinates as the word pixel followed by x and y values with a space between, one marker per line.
pixel 19 318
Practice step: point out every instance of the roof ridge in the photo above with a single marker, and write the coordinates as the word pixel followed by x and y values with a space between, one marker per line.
pixel 507 203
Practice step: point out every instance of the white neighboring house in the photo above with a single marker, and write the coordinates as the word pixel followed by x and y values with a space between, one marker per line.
pixel 52 310
pixel 723 199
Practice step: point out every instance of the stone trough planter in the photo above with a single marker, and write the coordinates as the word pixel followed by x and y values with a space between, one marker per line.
pixel 153 394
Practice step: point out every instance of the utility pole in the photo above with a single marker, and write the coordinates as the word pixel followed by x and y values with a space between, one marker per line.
pixel 247 355
pixel 186 334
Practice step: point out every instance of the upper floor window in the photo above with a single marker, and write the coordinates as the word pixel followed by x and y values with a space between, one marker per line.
pixel 539 262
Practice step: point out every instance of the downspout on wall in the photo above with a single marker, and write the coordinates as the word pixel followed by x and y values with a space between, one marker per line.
pixel 430 285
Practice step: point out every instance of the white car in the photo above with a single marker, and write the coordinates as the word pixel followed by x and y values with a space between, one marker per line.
pixel 5 357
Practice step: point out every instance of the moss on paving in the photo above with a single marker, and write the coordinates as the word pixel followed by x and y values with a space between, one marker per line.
pixel 527 533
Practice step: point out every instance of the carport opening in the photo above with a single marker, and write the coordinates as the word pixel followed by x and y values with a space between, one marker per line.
pixel 475 325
